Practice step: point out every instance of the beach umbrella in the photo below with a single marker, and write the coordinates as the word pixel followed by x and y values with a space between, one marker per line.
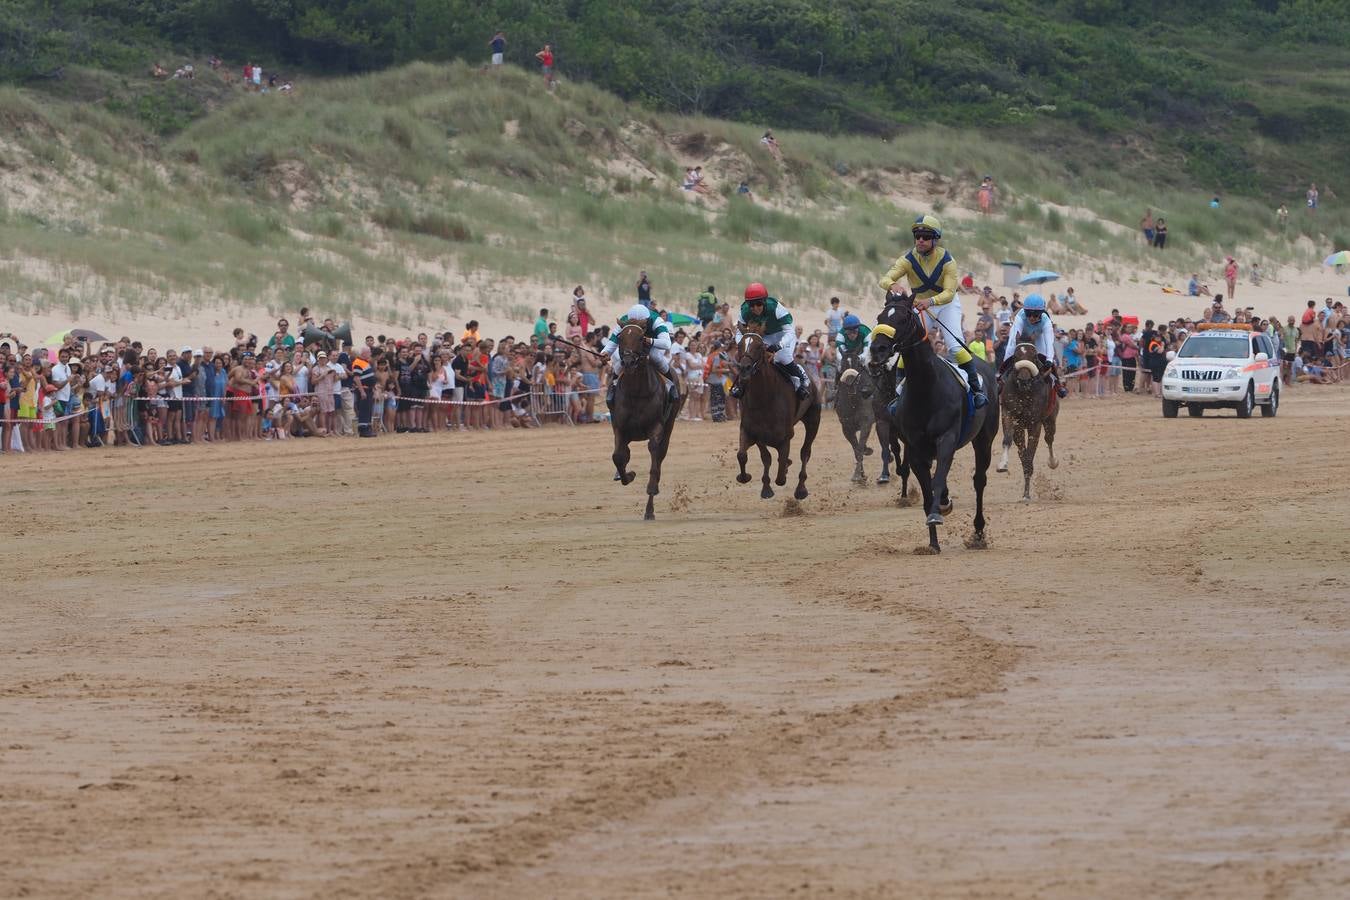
pixel 681 319
pixel 1039 276
pixel 83 334
pixel 1339 258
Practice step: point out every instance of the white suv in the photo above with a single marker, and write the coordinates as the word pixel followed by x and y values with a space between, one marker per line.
pixel 1223 366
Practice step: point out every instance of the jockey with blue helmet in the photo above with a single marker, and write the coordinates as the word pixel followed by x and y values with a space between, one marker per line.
pixel 1032 325
pixel 853 338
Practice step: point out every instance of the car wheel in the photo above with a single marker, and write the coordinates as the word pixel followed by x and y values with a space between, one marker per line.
pixel 1170 408
pixel 1244 410
pixel 1271 408
pixel 1194 411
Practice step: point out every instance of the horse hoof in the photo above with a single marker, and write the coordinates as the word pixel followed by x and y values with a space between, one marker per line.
pixel 618 476
pixel 927 551
pixel 934 519
pixel 1026 498
pixel 628 477
pixel 868 451
pixel 766 494
pixel 883 479
pixel 903 501
pixel 945 508
pixel 649 517
pixel 977 542
pixel 743 478
pixel 800 493
pixel 1054 464
pixel 1001 469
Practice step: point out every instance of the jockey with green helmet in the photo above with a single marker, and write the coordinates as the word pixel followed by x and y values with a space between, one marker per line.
pixel 1032 325
pixel 931 275
pixel 775 324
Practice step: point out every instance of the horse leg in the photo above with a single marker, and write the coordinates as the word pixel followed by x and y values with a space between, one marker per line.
pixel 924 476
pixel 766 492
pixel 742 455
pixel 1007 442
pixel 621 457
pixel 1050 439
pixel 656 446
pixel 1029 460
pixel 812 422
pixel 866 433
pixel 984 452
pixel 884 439
pixel 946 449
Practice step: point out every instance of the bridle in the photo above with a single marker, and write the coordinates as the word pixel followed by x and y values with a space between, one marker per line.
pixel 916 333
pixel 752 348
pixel 631 357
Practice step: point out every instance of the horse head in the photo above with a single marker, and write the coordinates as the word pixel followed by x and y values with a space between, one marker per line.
pixel 898 328
pixel 750 352
pixel 634 345
pixel 1026 363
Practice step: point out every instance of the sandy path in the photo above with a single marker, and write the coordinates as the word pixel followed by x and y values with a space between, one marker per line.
pixel 460 666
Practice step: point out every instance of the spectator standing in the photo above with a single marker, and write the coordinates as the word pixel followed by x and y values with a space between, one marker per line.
pixel 540 335
pixel 644 289
pixel 498 45
pixel 1148 227
pixel 1230 276
pixel 545 57
pixel 707 306
pixel 1312 196
pixel 769 141
pixel 1128 350
pixel 834 319
pixel 987 195
pixel 364 381
pixel 1282 217
pixel 1160 234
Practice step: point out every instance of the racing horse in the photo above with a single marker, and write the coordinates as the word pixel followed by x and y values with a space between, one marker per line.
pixel 888 433
pixel 1030 405
pixel 770 412
pixel 853 404
pixel 934 414
pixel 642 410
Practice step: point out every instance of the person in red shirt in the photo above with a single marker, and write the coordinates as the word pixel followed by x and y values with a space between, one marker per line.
pixel 545 58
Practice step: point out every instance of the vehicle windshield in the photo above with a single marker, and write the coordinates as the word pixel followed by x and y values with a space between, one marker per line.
pixel 1214 347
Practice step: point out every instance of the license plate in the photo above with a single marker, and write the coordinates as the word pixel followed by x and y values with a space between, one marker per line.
pixel 1199 390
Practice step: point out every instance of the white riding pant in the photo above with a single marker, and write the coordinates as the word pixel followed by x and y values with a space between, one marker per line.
pixel 786 342
pixel 949 314
pixel 657 355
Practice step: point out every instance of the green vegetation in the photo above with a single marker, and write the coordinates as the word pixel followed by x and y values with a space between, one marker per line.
pixel 411 194
pixel 1175 91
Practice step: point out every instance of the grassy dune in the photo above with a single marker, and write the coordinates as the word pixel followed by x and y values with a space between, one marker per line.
pixel 433 191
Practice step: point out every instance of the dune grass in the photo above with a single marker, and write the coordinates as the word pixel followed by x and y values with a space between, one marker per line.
pixel 426 191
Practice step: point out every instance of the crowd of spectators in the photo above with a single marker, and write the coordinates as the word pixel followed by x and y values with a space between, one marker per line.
pixel 124 393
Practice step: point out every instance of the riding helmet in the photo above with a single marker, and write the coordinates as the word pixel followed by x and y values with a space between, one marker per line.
pixel 756 291
pixel 1034 302
pixel 851 321
pixel 927 223
pixel 639 313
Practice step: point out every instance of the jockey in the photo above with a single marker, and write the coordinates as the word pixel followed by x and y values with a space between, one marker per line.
pixel 853 338
pixel 775 323
pixel 657 331
pixel 1033 326
pixel 931 274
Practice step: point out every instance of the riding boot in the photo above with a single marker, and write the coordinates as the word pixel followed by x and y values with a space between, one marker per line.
pixel 803 382
pixel 976 386
pixel 894 406
pixel 609 392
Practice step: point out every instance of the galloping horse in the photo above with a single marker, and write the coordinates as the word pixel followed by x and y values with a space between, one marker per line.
pixel 853 404
pixel 1029 404
pixel 770 412
pixel 641 410
pixel 932 414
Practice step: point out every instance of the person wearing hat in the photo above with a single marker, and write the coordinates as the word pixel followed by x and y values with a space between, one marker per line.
pixel 1032 325
pixel 930 273
pixel 853 338
pixel 775 324
pixel 657 331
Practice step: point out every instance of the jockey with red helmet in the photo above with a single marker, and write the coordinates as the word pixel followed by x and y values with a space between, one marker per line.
pixel 775 323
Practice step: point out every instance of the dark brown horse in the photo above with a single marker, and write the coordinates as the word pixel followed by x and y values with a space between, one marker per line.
pixel 641 410
pixel 853 405
pixel 770 412
pixel 1030 405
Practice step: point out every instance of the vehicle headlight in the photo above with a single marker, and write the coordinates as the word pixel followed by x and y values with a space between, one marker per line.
pixel 1230 372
